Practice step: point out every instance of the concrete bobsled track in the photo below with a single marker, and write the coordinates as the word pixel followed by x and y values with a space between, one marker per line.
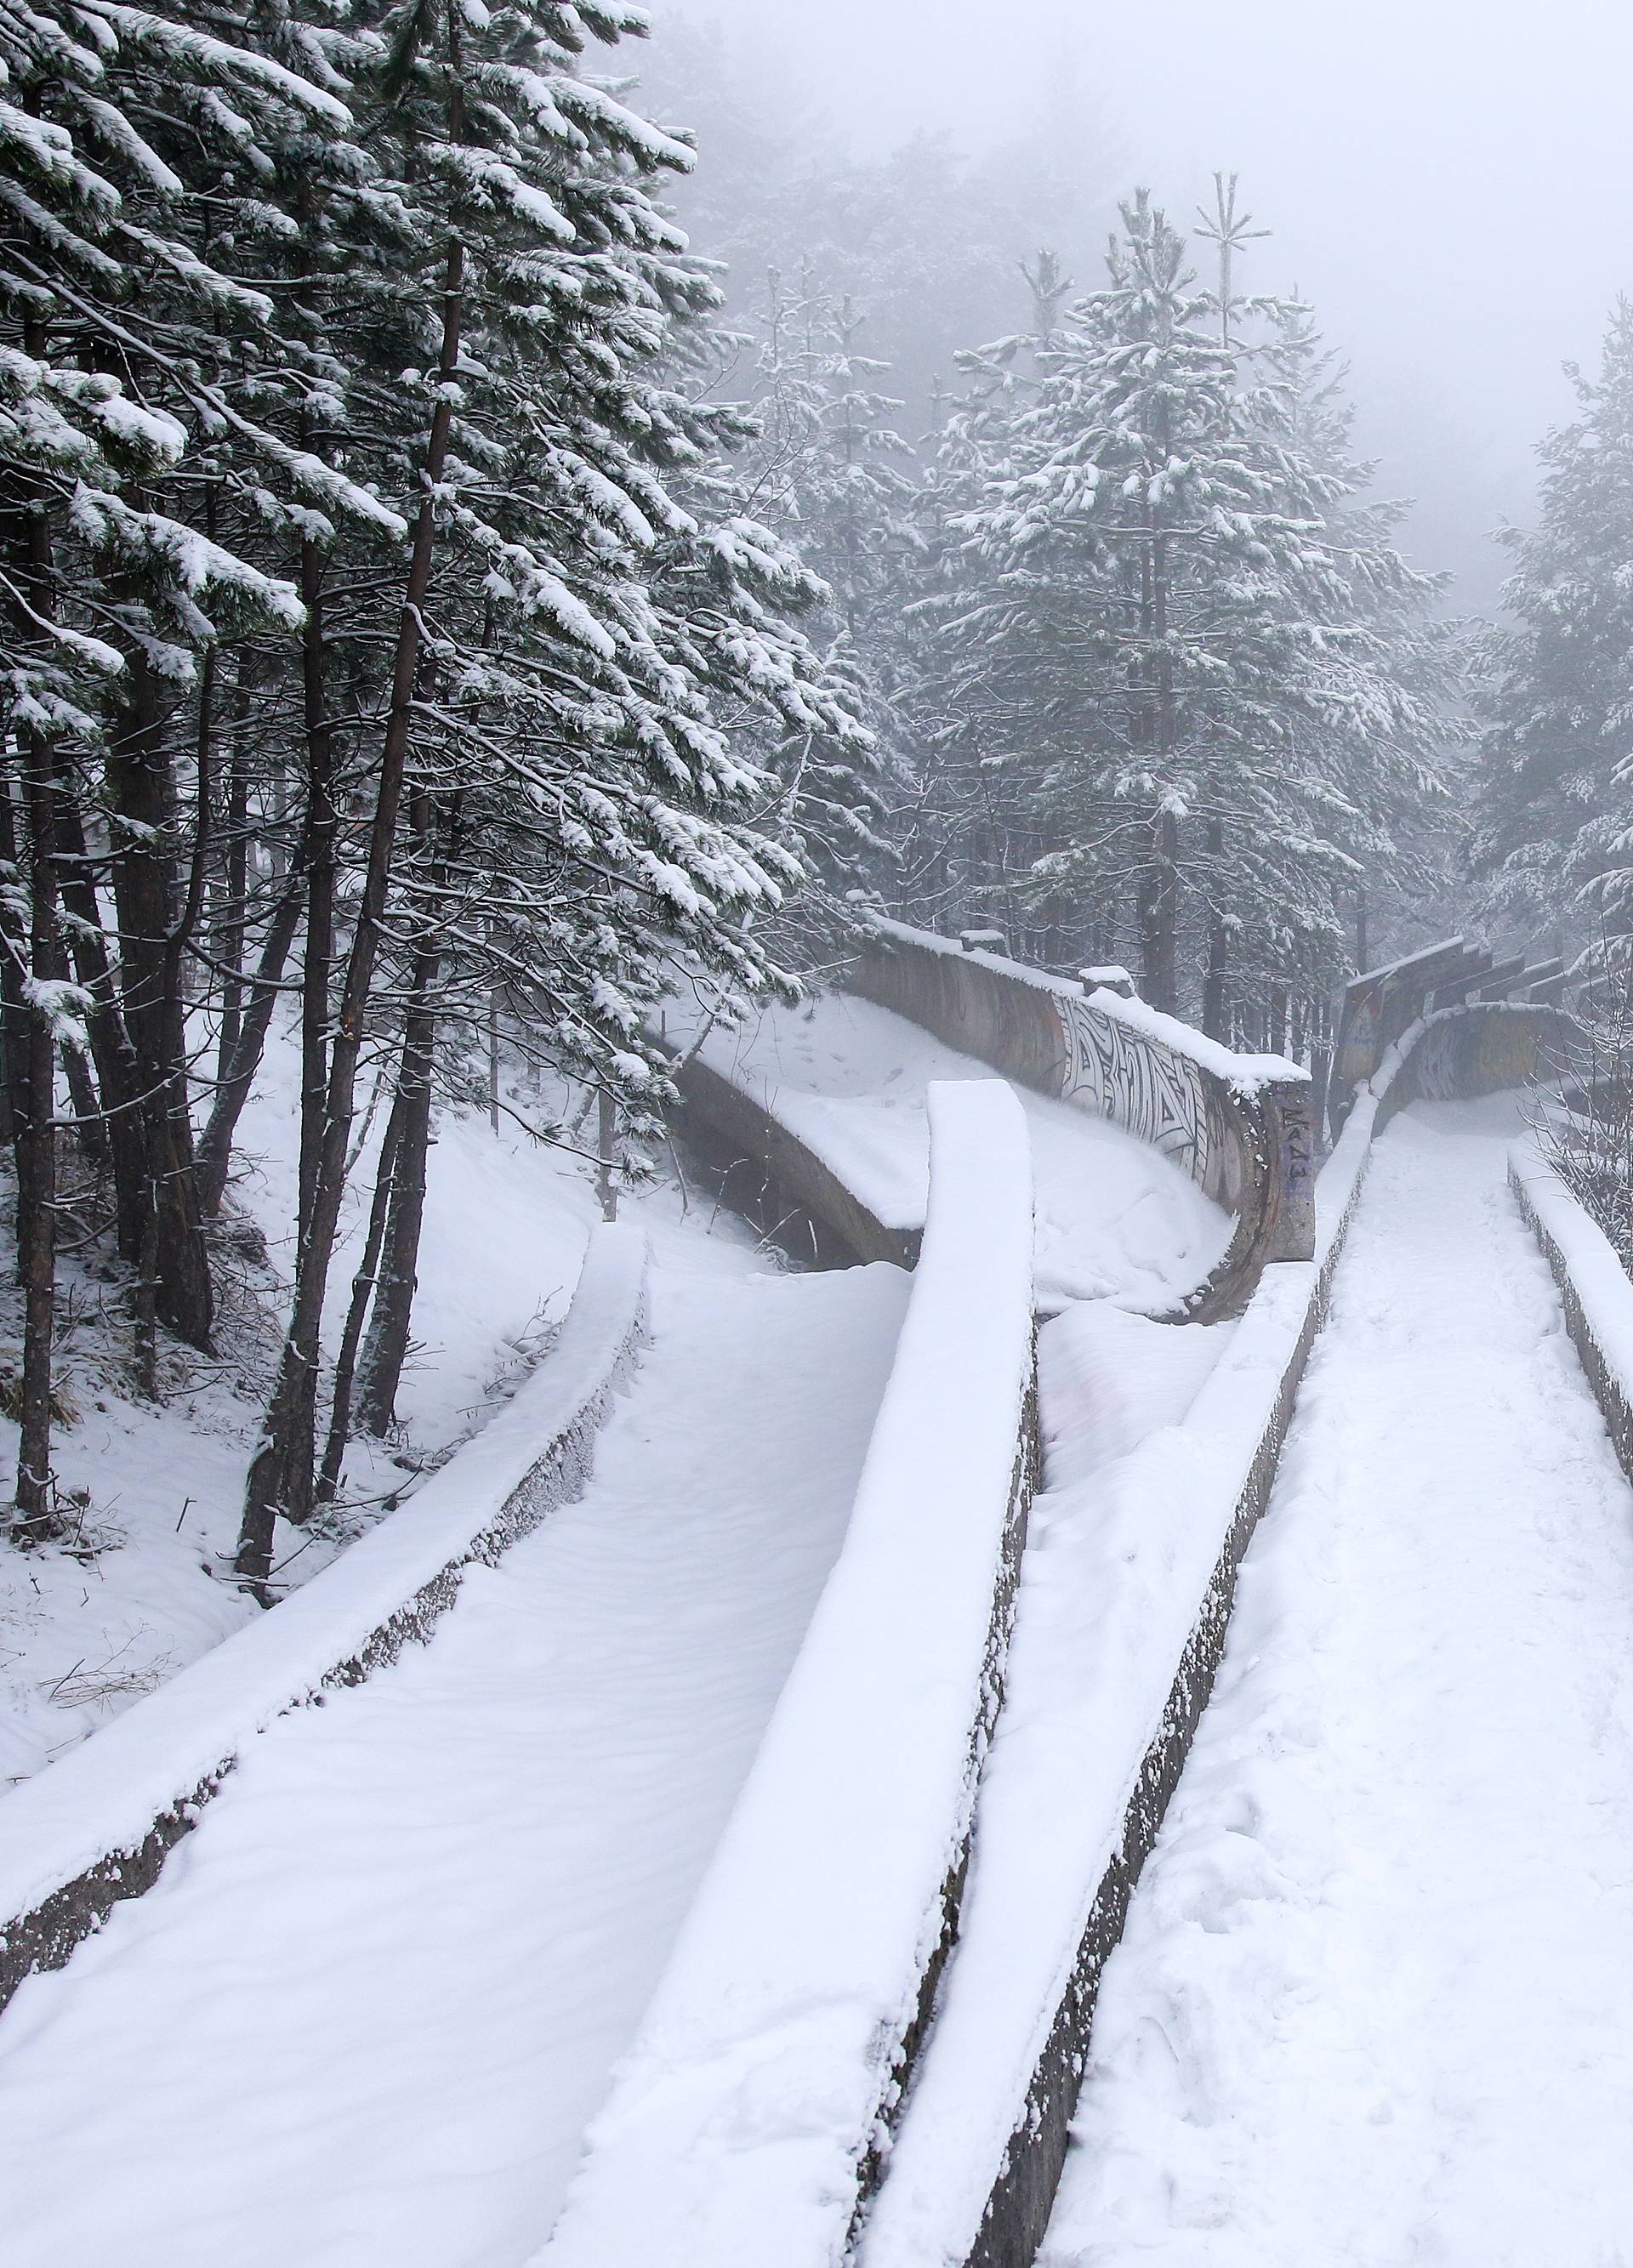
pixel 743 1815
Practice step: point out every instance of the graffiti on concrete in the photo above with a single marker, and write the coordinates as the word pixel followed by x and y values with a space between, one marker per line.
pixel 1120 1075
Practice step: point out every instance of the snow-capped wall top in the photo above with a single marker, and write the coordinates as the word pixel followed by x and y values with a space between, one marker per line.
pixel 1244 1074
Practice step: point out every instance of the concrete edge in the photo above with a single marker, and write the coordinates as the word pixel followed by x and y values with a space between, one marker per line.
pixel 1546 1206
pixel 1018 2208
pixel 654 2178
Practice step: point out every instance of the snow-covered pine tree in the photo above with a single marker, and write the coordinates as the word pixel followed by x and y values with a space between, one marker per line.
pixel 1553 826
pixel 1351 796
pixel 586 599
pixel 970 830
pixel 122 339
pixel 1161 614
pixel 830 476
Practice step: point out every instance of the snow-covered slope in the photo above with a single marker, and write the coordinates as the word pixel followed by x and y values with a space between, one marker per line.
pixel 1375 2000
pixel 362 2019
pixel 143 1587
pixel 1115 1220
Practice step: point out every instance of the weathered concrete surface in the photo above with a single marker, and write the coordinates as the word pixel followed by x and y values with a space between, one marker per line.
pixel 783 1187
pixel 1247 1138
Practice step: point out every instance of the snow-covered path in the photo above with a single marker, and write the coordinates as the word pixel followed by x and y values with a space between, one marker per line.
pixel 362 2019
pixel 1375 2001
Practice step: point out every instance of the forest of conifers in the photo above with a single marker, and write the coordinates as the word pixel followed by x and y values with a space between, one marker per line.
pixel 446 609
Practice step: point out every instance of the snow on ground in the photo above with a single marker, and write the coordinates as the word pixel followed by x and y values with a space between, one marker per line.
pixel 1115 1218
pixel 1375 2000
pixel 365 2013
pixel 142 1587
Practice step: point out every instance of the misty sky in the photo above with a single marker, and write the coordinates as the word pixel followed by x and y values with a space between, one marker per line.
pixel 1451 183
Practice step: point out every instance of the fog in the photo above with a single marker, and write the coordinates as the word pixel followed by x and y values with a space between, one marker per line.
pixel 1449 183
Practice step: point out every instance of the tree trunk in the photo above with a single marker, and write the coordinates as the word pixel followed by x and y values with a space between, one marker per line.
pixel 280 1473
pixel 318 842
pixel 215 1148
pixel 139 782
pixel 231 929
pixel 388 1346
pixel 362 1287
pixel 30 1064
pixel 1160 911
pixel 1216 1007
pixel 111 1051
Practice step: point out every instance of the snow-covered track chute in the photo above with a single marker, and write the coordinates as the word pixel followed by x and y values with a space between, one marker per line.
pixel 1086 1765
pixel 95 1827
pixel 748 2120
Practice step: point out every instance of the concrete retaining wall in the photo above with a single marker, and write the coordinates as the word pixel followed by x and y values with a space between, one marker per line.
pixel 780 1183
pixel 1241 1126
pixel 1382 1005
pixel 1478 1050
pixel 95 1827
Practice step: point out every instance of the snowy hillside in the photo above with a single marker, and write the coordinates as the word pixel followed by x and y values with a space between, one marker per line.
pixel 142 1584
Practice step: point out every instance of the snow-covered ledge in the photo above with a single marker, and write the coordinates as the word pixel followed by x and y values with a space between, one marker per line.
pixel 94 1827
pixel 1594 1285
pixel 748 2120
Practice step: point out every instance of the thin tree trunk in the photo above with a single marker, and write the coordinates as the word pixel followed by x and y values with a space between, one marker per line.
pixel 1215 1008
pixel 362 1287
pixel 1278 1020
pixel 388 1346
pixel 30 1064
pixel 117 1075
pixel 1160 949
pixel 319 845
pixel 215 1148
pixel 280 1473
pixel 231 931
pixel 138 774
pixel 606 1146
pixel 35 1152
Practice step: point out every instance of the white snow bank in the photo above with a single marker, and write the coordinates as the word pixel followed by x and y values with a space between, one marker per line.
pixel 101 1801
pixel 1115 1218
pixel 1245 1074
pixel 736 2134
pixel 1597 1275
pixel 1121 1559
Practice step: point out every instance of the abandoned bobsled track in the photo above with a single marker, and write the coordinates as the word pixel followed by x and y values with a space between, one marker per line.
pixel 697 1829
